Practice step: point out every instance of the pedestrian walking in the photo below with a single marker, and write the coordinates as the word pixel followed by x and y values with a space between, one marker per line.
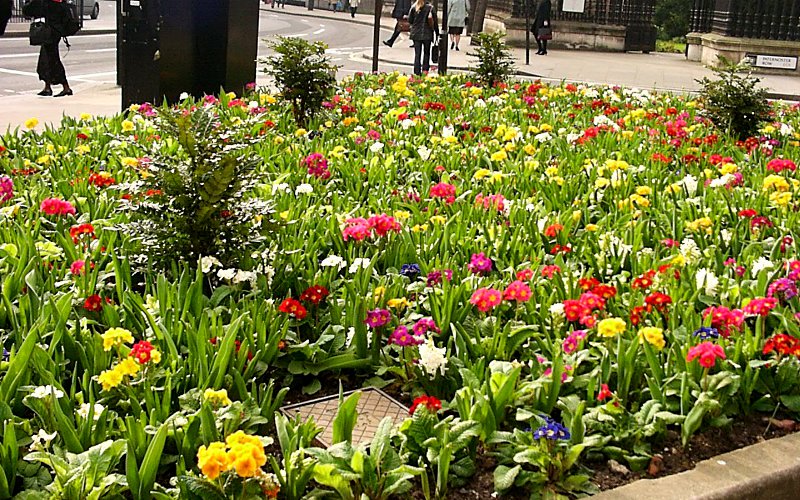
pixel 457 12
pixel 5 14
pixel 400 14
pixel 280 3
pixel 424 26
pixel 353 7
pixel 541 28
pixel 49 67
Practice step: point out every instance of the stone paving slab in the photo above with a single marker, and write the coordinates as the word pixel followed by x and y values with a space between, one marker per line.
pixel 768 470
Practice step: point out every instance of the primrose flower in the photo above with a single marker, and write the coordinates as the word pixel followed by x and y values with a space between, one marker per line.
pixel 551 430
pixel 56 206
pixel 486 299
pixel 116 337
pixel 573 340
pixel 293 308
pixel 518 291
pixel 784 289
pixel 611 327
pixel 45 391
pixel 783 344
pixel 213 460
pixel 6 188
pixel 653 336
pixel 317 166
pixel 218 398
pixel 480 263
pixel 432 359
pixel 435 277
pixel 403 338
pixel 706 353
pixel 425 325
pixel 604 393
pixel 143 352
pixel 444 191
pixel 410 271
pixel 430 403
pixel 706 332
pixel 77 268
pixel 314 294
pixel 378 318
pixel 760 306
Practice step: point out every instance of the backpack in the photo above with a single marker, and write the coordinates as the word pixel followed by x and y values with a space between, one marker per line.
pixel 72 20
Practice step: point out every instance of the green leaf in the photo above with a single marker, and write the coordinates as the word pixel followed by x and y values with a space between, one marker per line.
pixel 345 420
pixel 150 463
pixel 505 476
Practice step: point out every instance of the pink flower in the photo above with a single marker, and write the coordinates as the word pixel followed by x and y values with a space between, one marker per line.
pixel 357 228
pixel 6 188
pixel 573 341
pixel 761 306
pixel 486 299
pixel 549 271
pixel 496 201
pixel 517 290
pixel 424 326
pixel 56 206
pixel 480 264
pixel 401 336
pixel 317 166
pixel 383 223
pixel 378 318
pixel 707 352
pixel 78 267
pixel 445 191
pixel 778 165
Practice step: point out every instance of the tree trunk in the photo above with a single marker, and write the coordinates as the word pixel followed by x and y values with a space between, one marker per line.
pixel 476 16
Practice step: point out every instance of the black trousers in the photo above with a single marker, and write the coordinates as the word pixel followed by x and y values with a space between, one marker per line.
pixel 50 69
pixel 396 33
pixel 422 56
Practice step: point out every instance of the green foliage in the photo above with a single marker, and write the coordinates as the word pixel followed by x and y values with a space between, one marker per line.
pixel 304 75
pixel 734 101
pixel 495 62
pixel 194 195
pixel 345 419
pixel 672 18
pixel 296 469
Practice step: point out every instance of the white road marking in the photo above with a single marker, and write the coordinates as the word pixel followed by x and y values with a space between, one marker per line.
pixel 9 56
pixel 101 50
pixel 78 78
pixel 93 75
pixel 321 30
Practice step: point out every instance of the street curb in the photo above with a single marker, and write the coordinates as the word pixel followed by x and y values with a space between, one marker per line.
pixel 770 469
pixel 317 16
pixel 24 34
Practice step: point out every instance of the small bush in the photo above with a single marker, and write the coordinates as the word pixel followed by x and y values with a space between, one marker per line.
pixel 734 102
pixel 303 74
pixel 495 63
pixel 193 199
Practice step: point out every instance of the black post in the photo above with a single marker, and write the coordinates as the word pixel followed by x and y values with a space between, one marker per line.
pixel 376 34
pixel 310 4
pixel 443 41
pixel 120 66
pixel 527 32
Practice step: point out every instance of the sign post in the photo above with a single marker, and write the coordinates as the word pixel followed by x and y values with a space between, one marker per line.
pixel 527 32
pixel 443 42
pixel 376 34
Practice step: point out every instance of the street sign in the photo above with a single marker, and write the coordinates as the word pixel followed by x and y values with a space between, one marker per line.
pixel 776 62
pixel 573 6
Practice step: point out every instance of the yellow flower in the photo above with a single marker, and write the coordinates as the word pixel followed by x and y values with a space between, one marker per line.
pixel 217 398
pixel 116 337
pixel 284 215
pixel 127 367
pixel 775 182
pixel 266 99
pixel 703 223
pixel 31 123
pixel 349 120
pixel 419 228
pixel 155 356
pixel 239 438
pixel 611 327
pixel 85 117
pixel 780 199
pixel 481 173
pixel 601 182
pixel 371 101
pixel 128 161
pixel 438 219
pixel 499 156
pixel 213 460
pixel 401 214
pixel 398 304
pixel 301 132
pixel 529 150
pixel 654 336
pixel 110 379
pixel 728 168
pixel 247 459
pixel 377 294
pixel 644 190
pixel 127 126
pixel 613 165
pixel 591 227
pixel 679 260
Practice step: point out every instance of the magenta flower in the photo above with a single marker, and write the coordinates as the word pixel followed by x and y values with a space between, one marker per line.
pixel 573 341
pixel 435 277
pixel 78 267
pixel 56 206
pixel 402 337
pixel 782 288
pixel 480 264
pixel 424 326
pixel 706 353
pixel 383 223
pixel 357 228
pixel 317 166
pixel 6 188
pixel 378 318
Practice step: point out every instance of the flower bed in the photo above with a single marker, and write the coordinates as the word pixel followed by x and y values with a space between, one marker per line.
pixel 549 276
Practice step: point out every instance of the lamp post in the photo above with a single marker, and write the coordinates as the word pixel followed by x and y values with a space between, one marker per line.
pixel 376 34
pixel 527 32
pixel 443 41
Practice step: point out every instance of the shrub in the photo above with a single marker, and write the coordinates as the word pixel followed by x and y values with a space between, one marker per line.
pixel 192 200
pixel 495 63
pixel 734 102
pixel 304 75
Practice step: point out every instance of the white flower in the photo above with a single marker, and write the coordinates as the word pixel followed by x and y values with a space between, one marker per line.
pixel 333 261
pixel 282 186
pixel 726 236
pixel 761 264
pixel 226 274
pixel 543 137
pixel 357 264
pixel 432 358
pixel 41 440
pixel 690 183
pixel 44 391
pixel 690 250
pixel 207 262
pixel 184 95
pixel 786 129
pixel 242 276
pixel 424 153
pixel 304 189
pixel 557 309
pixel 480 103
pixel 407 124
pixel 448 131
pixel 376 146
pixel 707 281
pixel 83 411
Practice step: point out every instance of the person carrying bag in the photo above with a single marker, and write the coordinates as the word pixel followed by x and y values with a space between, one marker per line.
pixel 424 29
pixel 57 22
pixel 542 30
pixel 400 14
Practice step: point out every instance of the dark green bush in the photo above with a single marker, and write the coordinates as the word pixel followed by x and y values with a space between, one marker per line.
pixel 495 63
pixel 734 102
pixel 303 74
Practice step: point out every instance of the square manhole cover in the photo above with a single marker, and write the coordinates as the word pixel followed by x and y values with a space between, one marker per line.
pixel 373 406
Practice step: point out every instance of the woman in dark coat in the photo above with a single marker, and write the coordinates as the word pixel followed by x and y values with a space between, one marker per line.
pixel 399 12
pixel 542 20
pixel 50 69
pixel 5 14
pixel 424 26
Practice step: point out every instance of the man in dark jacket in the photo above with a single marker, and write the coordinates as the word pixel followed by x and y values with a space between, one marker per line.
pixel 5 14
pixel 541 24
pixel 399 12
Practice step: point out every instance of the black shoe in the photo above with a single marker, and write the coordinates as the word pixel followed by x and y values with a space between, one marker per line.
pixel 387 43
pixel 457 49
pixel 46 92
pixel 544 53
pixel 64 93
pixel 452 45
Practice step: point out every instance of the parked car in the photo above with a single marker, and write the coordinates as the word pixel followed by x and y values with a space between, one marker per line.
pixel 91 8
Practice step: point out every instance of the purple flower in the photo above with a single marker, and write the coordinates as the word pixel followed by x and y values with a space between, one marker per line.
pixel 480 264
pixel 410 271
pixel 706 332
pixel 551 430
pixel 424 326
pixel 378 318
pixel 435 277
pixel 402 337
pixel 6 188
pixel 783 289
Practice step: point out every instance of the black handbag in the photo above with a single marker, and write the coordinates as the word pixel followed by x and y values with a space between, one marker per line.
pixel 435 53
pixel 544 32
pixel 40 33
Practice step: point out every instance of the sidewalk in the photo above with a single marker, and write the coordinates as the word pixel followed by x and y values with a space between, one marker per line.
pixel 105 23
pixel 656 71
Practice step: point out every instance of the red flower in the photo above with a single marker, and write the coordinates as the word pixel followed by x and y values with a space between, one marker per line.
pixel 293 308
pixel 658 301
pixel 93 303
pixel 747 213
pixel 552 230
pixel 141 351
pixel 76 232
pixel 588 283
pixel 314 294
pixel 783 344
pixel 431 403
pixel 604 393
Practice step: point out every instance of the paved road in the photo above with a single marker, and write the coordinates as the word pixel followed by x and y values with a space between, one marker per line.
pixel 92 58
